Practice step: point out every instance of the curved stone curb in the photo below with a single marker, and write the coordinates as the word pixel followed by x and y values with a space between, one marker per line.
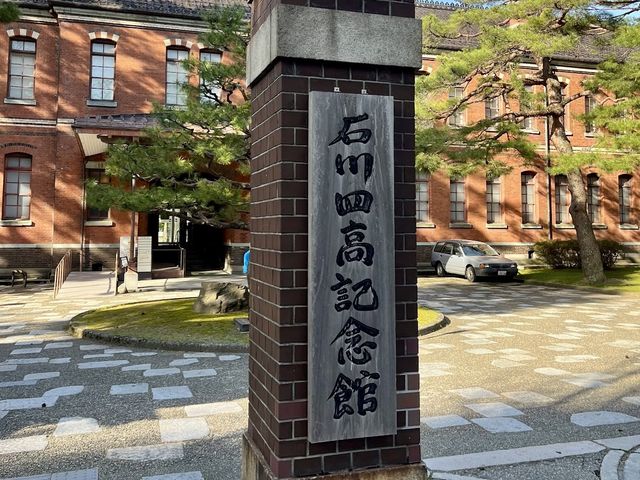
pixel 80 332
pixel 442 322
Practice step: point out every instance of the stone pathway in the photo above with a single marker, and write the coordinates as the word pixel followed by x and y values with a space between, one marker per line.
pixel 526 383
pixel 77 410
pixel 526 377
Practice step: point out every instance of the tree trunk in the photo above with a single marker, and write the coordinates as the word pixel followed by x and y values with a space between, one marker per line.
pixel 592 268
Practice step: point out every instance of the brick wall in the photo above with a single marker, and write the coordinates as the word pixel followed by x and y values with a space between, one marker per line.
pixel 278 362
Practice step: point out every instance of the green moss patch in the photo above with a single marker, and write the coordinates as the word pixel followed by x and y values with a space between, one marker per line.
pixel 165 321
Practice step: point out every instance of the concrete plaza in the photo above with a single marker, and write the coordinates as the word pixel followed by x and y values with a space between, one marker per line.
pixel 527 382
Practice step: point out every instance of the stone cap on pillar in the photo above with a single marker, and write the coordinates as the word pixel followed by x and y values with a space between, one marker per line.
pixel 308 33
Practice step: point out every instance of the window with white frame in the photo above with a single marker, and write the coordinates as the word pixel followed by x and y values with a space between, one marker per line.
pixel 209 89
pixel 103 70
pixel 22 69
pixel 589 105
pixel 528 194
pixel 457 207
pixel 529 123
pixel 624 198
pixel 593 197
pixel 563 200
pixel 494 200
pixel 456 119
pixel 491 108
pixel 177 76
pixel 422 197
pixel 100 177
pixel 17 187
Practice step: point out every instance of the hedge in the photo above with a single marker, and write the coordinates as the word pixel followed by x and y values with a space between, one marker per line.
pixel 566 253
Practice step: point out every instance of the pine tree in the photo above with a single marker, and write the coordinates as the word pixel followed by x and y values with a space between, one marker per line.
pixel 8 12
pixel 192 162
pixel 497 37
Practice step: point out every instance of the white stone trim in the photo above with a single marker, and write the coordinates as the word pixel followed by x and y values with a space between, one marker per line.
pixel 27 122
pixel 114 37
pixel 200 46
pixel 178 42
pixel 231 244
pixel 320 34
pixel 23 32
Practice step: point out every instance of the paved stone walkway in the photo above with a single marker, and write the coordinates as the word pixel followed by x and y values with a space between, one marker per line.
pixel 526 383
pixel 530 383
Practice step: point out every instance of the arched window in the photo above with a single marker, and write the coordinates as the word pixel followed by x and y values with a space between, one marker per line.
pixel 563 200
pixel 103 70
pixel 624 198
pixel 17 187
pixel 593 197
pixel 177 76
pixel 528 195
pixel 22 68
pixel 494 200
pixel 457 207
pixel 422 198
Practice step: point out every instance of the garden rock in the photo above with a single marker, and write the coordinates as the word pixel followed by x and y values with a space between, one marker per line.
pixel 219 297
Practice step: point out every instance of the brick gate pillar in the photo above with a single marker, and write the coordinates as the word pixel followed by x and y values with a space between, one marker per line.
pixel 299 46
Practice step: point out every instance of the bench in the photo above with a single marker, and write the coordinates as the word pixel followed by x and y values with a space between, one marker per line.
pixel 24 275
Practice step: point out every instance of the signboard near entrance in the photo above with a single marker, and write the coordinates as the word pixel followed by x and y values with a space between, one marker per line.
pixel 351 296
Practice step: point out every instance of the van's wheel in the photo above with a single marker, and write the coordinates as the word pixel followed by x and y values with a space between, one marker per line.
pixel 470 274
pixel 440 270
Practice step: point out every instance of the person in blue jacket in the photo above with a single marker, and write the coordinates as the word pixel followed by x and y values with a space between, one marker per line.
pixel 245 263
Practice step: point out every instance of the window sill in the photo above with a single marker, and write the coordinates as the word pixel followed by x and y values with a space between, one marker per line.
pixel 589 134
pixel 16 223
pixel 564 226
pixel 497 226
pixel 599 226
pixel 425 225
pixel 461 225
pixel 98 223
pixel 568 134
pixel 530 132
pixel 531 226
pixel 19 101
pixel 102 103
pixel 629 226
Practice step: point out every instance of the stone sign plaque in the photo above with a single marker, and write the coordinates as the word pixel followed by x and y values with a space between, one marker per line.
pixel 351 296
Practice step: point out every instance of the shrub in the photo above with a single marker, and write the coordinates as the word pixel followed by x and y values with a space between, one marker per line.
pixel 566 253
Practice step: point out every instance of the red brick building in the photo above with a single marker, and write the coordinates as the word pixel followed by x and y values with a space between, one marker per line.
pixel 75 73
pixel 527 205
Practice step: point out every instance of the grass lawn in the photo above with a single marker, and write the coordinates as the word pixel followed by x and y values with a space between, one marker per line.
pixel 172 320
pixel 427 317
pixel 621 279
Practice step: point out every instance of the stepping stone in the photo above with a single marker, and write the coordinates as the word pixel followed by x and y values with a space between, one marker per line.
pixel 92 347
pixel 177 476
pixel 501 425
pixel 594 419
pixel 171 393
pixel 24 444
pixel 51 346
pixel 183 429
pixel 97 355
pixel 181 362
pixel 160 372
pixel 575 358
pixel 169 451
pixel 528 398
pixel 106 364
pixel 76 426
pixel 496 409
pixel 199 355
pixel 27 361
pixel 77 475
pixel 518 357
pixel 25 351
pixel 133 368
pixel 144 354
pixel 229 358
pixel 8 368
pixel 206 409
pixel 113 351
pixel 474 393
pixel 632 400
pixel 444 421
pixel 58 361
pixel 552 372
pixel 129 389
pixel 585 382
pixel 209 372
pixel 41 376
